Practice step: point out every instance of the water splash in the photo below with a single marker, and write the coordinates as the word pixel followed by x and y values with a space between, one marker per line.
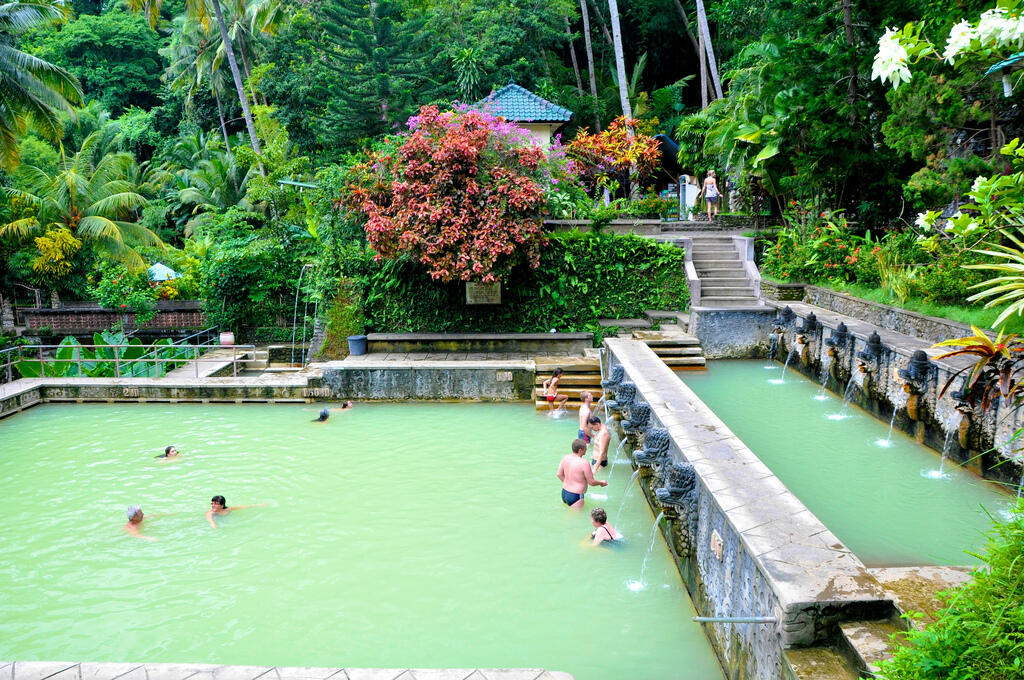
pixel 650 548
pixel 773 348
pixel 847 395
pixel 826 377
pixel 782 376
pixel 951 425
pixel 625 495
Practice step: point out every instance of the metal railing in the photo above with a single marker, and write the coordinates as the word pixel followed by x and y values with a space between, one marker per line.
pixel 148 364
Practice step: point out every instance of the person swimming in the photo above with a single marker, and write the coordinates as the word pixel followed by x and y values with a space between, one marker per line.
pixel 219 506
pixel 135 517
pixel 324 415
pixel 169 452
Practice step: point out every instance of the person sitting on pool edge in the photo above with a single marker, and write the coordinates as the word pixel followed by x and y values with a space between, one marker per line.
pixel 576 475
pixel 604 533
pixel 135 517
pixel 219 506
pixel 169 452
pixel 602 435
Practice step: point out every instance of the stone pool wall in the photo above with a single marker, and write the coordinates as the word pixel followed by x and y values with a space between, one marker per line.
pixel 731 333
pixel 967 435
pixel 482 380
pixel 745 545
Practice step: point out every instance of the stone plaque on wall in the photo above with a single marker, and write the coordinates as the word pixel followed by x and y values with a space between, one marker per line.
pixel 483 293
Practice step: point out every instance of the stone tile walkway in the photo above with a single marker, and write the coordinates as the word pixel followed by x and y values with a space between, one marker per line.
pixel 56 670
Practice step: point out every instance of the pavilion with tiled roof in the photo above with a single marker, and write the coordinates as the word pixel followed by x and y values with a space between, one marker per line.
pixel 531 111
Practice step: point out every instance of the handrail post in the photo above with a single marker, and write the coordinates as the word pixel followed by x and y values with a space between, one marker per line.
pixel 117 364
pixel 78 355
pixel 42 366
pixel 234 361
pixel 195 359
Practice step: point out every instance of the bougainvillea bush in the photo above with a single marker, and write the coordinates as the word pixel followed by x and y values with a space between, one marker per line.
pixel 463 192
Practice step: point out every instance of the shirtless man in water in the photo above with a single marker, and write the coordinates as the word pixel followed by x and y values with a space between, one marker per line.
pixel 601 435
pixel 133 527
pixel 576 475
pixel 584 432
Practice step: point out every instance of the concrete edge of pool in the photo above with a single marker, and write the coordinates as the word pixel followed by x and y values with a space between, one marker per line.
pixel 758 551
pixel 58 670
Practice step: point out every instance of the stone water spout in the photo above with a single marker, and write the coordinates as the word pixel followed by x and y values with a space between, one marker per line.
pixel 809 326
pixel 625 393
pixel 655 450
pixel 839 337
pixel 867 360
pixel 639 417
pixel 680 486
pixel 786 316
pixel 615 377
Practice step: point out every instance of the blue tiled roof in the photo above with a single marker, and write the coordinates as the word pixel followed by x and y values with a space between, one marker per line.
pixel 518 104
pixel 1005 63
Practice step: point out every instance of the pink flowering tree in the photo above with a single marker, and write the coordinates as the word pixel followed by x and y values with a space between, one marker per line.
pixel 461 191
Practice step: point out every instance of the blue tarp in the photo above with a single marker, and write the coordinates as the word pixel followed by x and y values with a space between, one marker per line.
pixel 161 272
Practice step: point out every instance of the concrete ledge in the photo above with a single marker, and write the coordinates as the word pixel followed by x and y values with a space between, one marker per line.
pixel 480 380
pixel 538 343
pixel 776 557
pixel 60 670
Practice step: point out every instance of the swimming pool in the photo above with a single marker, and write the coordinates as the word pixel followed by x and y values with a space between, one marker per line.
pixel 419 535
pixel 881 496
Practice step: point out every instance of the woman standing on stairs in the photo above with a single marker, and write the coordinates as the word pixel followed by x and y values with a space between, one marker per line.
pixel 711 193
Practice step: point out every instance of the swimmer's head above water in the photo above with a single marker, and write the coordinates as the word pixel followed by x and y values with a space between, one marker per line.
pixel 218 503
pixel 170 452
pixel 324 415
pixel 134 513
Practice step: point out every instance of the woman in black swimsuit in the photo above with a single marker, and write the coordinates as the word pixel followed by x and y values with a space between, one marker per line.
pixel 602 530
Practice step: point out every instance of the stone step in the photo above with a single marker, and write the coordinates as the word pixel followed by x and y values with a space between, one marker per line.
pixel 712 239
pixel 256 365
pixel 816 663
pixel 684 362
pixel 680 339
pixel 624 323
pixel 716 261
pixel 571 405
pixel 573 392
pixel 545 364
pixel 709 251
pixel 582 380
pixel 662 316
pixel 719 268
pixel 669 351
pixel 724 280
pixel 868 642
pixel 720 291
pixel 263 354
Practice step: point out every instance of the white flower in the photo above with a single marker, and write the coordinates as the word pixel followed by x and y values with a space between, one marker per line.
pixel 977 183
pixel 891 61
pixel 991 25
pixel 922 221
pixel 973 226
pixel 1012 32
pixel 960 38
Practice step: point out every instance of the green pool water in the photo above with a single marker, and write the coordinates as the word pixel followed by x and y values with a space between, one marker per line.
pixel 394 536
pixel 877 499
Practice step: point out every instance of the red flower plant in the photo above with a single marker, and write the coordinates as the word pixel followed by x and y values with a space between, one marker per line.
pixel 462 194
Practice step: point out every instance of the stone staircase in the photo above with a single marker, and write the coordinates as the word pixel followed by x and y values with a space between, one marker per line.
pixel 723 279
pixel 260 360
pixel 677 349
pixel 580 374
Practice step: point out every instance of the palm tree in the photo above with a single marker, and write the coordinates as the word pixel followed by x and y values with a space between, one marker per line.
pixel 96 201
pixel 620 60
pixel 215 184
pixel 33 92
pixel 590 62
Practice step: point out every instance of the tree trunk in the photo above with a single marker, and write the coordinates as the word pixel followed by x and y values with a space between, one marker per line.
pixel 239 87
pixel 686 26
pixel 703 73
pixel 620 60
pixel 248 76
pixel 602 25
pixel 590 61
pixel 572 54
pixel 702 24
pixel 223 127
pixel 851 40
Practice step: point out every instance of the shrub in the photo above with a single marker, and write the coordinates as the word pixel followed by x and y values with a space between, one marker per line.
pixel 344 318
pixel 124 291
pixel 580 278
pixel 980 634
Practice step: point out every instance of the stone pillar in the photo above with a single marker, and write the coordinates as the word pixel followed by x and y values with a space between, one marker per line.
pixel 6 313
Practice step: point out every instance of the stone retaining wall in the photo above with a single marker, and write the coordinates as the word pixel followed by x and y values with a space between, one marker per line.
pixel 930 328
pixel 431 380
pixel 756 549
pixel 531 343
pixel 731 333
pixel 87 317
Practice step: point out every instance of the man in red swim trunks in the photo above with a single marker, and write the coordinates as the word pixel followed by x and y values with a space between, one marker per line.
pixel 551 391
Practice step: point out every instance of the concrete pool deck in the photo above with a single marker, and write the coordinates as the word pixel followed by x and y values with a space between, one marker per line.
pixel 56 670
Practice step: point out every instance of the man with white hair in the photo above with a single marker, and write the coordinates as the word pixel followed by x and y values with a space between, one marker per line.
pixel 135 517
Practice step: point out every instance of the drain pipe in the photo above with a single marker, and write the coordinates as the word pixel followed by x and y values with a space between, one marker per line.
pixel 736 619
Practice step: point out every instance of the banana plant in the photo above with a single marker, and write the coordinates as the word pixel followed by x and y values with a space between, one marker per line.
pixel 113 352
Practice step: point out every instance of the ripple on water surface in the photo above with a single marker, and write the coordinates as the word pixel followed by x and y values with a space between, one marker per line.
pixel 393 536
